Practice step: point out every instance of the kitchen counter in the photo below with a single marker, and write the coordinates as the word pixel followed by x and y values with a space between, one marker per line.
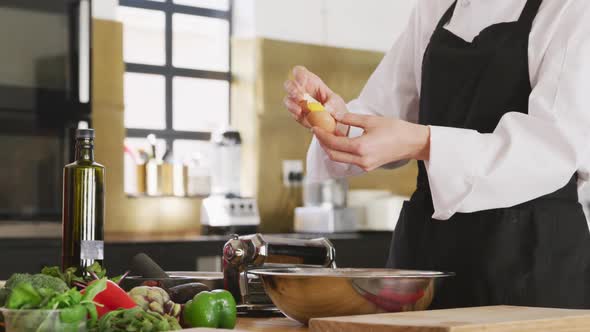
pixel 33 229
pixel 269 325
pixel 261 325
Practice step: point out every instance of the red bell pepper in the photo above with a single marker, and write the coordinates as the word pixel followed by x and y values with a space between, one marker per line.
pixel 112 298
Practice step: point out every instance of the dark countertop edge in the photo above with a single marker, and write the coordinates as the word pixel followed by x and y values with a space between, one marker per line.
pixel 29 241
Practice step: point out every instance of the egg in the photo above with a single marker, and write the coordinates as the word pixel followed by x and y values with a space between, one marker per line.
pixel 322 119
pixel 317 115
pixel 315 107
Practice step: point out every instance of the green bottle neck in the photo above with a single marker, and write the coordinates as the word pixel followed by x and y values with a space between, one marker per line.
pixel 85 149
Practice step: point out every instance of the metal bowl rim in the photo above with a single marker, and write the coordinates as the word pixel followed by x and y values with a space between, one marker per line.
pixel 183 275
pixel 202 275
pixel 175 278
pixel 362 273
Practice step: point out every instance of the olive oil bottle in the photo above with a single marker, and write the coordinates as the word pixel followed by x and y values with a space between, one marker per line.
pixel 83 206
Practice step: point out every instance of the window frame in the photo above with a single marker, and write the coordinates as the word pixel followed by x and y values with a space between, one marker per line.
pixel 169 71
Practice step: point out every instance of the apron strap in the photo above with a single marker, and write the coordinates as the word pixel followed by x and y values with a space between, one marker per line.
pixel 526 17
pixel 447 16
pixel 529 12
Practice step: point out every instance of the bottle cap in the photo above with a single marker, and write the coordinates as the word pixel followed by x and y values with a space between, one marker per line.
pixel 85 133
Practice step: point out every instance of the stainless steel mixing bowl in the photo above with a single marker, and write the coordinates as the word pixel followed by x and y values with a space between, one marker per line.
pixel 306 293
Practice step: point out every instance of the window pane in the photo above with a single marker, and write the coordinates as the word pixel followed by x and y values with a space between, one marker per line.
pixel 199 104
pixel 200 42
pixel 143 35
pixel 144 101
pixel 213 4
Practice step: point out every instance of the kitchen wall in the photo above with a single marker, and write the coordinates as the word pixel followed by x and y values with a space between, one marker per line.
pixel 365 25
pixel 126 215
pixel 105 9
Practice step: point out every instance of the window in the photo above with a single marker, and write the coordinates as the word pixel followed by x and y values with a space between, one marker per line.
pixel 177 76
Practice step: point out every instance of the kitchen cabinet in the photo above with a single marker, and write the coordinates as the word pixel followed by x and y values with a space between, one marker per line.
pixel 30 255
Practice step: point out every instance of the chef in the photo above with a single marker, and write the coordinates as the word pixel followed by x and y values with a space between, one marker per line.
pixel 492 97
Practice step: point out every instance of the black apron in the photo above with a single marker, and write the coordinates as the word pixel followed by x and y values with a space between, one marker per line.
pixel 533 254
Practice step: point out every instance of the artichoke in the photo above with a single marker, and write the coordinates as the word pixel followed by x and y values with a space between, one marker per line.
pixel 155 299
pixel 136 319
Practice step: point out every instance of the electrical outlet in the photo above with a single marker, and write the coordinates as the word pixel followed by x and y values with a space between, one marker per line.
pixel 292 173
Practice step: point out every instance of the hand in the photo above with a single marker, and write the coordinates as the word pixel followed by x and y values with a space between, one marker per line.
pixel 385 140
pixel 303 82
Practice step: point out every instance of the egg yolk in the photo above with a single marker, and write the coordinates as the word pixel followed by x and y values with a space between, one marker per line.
pixel 315 107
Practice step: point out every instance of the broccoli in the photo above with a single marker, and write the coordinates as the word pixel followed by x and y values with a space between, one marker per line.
pixel 37 281
pixel 4 292
pixel 44 281
pixel 16 279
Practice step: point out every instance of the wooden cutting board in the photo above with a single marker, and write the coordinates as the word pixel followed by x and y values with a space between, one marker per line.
pixel 261 325
pixel 478 319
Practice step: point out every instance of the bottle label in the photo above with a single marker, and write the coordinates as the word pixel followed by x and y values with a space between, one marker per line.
pixel 92 249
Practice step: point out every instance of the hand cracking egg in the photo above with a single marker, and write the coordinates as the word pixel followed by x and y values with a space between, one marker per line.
pixel 318 116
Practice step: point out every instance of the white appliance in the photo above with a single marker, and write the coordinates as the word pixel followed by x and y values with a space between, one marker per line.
pixel 325 219
pixel 225 162
pixel 226 211
pixel 325 208
pixel 220 214
pixel 378 210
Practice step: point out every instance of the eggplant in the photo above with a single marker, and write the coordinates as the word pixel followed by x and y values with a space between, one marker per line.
pixel 185 292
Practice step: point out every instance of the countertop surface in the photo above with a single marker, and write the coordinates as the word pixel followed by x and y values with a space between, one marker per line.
pixel 28 229
pixel 500 318
pixel 269 325
pixel 260 325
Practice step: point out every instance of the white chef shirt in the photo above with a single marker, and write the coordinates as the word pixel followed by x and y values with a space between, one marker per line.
pixel 527 155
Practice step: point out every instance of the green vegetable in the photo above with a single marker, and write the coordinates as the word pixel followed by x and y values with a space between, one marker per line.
pixel 216 309
pixel 117 279
pixel 97 269
pixel 53 271
pixel 155 299
pixel 68 276
pixel 64 300
pixel 136 319
pixel 87 299
pixel 16 279
pixel 37 281
pixel 93 289
pixel 4 292
pixel 74 314
pixel 44 281
pixel 75 307
pixel 71 277
pixel 24 296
